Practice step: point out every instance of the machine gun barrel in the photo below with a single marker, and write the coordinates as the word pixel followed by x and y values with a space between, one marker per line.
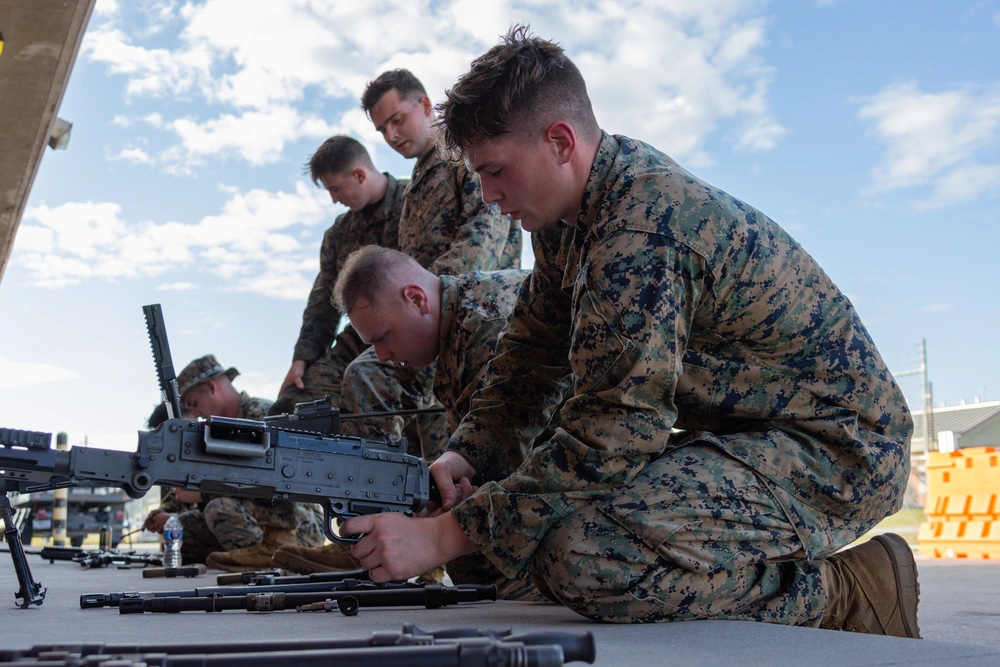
pixel 431 596
pixel 94 600
pixel 267 577
pixel 575 646
pixel 412 647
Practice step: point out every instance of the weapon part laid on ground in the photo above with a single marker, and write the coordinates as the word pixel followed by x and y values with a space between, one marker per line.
pixel 431 596
pixel 248 577
pixel 195 570
pixel 347 605
pixel 412 647
pixel 269 578
pixel 96 558
pixel 95 600
pixel 280 459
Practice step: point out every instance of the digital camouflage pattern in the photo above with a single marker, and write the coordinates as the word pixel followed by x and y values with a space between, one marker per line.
pixel 674 304
pixel 221 523
pixel 199 370
pixel 225 523
pixel 371 386
pixel 377 224
pixel 446 226
pixel 474 311
pixel 252 408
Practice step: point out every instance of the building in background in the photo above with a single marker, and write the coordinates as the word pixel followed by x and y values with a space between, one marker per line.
pixel 973 425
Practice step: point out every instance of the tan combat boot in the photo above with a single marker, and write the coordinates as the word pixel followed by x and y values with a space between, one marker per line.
pixel 873 588
pixel 309 560
pixel 257 557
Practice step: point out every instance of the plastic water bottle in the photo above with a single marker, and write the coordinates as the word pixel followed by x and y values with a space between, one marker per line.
pixel 173 537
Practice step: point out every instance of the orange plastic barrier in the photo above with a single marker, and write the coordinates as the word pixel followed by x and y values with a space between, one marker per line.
pixel 960 539
pixel 963 504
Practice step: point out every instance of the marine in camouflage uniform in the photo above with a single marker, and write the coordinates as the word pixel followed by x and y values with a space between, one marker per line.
pixel 679 306
pixel 449 230
pixel 474 311
pixel 326 352
pixel 446 226
pixel 222 523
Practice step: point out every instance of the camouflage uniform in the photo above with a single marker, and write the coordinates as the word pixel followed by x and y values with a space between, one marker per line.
pixel 446 226
pixel 677 305
pixel 222 523
pixel 377 224
pixel 449 230
pixel 474 310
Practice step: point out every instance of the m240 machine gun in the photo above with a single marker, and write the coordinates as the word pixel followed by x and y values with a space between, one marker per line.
pixel 298 457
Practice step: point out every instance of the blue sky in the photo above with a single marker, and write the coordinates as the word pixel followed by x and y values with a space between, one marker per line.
pixel 870 130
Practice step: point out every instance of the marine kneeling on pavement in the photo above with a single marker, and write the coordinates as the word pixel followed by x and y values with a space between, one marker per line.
pixel 225 533
pixel 672 305
pixel 416 319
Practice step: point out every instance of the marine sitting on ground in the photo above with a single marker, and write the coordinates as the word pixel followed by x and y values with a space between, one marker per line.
pixel 673 305
pixel 231 534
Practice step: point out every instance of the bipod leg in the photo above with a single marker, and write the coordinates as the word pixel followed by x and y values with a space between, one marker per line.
pixel 31 592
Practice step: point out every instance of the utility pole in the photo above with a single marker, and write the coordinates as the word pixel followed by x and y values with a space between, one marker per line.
pixel 919 459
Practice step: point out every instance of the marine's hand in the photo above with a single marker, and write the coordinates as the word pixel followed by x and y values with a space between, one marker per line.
pixel 294 376
pixel 156 520
pixel 397 547
pixel 452 473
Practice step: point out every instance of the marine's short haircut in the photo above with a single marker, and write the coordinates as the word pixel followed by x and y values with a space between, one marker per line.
pixel 338 155
pixel 407 86
pixel 522 83
pixel 367 275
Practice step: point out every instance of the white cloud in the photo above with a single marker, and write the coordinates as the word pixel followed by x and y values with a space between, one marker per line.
pixel 259 137
pixel 945 141
pixel 16 374
pixel 253 243
pixel 133 155
pixel 668 73
pixel 106 7
pixel 176 287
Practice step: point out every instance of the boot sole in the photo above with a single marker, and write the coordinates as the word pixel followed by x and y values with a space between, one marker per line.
pixel 904 568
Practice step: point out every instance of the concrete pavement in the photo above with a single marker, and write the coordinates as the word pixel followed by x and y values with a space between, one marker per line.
pixel 959 617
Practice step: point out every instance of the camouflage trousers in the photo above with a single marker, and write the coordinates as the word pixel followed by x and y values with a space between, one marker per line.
pixel 323 377
pixel 370 386
pixel 477 569
pixel 696 535
pixel 235 523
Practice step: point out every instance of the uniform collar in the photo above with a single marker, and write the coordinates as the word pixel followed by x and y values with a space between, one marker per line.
pixel 590 207
pixel 597 182
pixel 383 208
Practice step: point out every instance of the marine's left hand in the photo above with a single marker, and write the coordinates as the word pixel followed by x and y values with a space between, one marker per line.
pixel 397 547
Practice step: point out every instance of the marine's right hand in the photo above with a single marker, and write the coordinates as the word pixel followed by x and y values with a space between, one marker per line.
pixel 156 520
pixel 452 473
pixel 294 376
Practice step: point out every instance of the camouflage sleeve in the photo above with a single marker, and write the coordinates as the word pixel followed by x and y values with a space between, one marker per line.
pixel 320 319
pixel 480 235
pixel 635 299
pixel 526 378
